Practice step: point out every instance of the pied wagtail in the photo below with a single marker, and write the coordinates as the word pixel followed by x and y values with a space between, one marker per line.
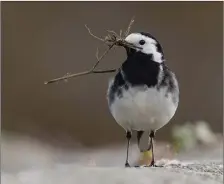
pixel 144 94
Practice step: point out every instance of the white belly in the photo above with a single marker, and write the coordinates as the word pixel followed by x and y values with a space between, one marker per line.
pixel 143 109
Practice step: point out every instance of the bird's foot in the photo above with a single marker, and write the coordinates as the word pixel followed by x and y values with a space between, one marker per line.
pixel 152 164
pixel 127 164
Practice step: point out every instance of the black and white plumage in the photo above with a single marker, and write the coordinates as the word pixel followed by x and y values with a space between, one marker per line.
pixel 144 94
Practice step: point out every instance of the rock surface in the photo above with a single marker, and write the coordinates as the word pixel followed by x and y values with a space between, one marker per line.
pixel 30 162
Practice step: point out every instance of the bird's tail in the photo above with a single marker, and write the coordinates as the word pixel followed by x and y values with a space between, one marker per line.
pixel 143 141
pixel 145 148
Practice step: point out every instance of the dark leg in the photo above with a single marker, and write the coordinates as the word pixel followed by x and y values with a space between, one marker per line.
pixel 152 135
pixel 128 136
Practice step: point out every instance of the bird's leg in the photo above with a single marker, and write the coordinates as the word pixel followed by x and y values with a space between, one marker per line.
pixel 152 135
pixel 128 136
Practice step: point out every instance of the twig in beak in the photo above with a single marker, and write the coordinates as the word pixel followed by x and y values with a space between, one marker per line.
pixel 111 40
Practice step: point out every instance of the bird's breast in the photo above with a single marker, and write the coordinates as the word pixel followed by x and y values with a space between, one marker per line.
pixel 141 108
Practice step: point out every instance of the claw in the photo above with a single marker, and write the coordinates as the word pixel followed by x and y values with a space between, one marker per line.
pixel 127 164
pixel 152 164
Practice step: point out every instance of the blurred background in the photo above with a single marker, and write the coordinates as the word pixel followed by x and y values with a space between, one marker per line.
pixel 45 40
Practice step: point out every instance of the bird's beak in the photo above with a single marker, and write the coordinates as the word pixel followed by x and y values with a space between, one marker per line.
pixel 127 45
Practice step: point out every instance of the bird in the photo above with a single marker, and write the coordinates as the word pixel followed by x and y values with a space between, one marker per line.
pixel 143 95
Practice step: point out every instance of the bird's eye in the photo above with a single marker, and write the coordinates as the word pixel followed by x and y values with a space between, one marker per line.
pixel 142 42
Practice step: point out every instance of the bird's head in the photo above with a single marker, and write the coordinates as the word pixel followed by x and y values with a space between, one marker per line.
pixel 146 44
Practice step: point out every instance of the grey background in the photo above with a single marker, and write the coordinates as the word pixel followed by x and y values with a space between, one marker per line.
pixel 44 40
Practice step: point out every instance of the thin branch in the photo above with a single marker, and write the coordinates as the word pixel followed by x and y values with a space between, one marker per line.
pixel 97 53
pixel 101 57
pixel 121 33
pixel 111 40
pixel 98 38
pixel 105 71
pixel 66 77
pixel 129 27
pixel 114 34
pixel 85 72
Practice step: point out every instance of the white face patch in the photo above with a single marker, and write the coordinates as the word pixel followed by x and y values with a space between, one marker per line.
pixel 148 48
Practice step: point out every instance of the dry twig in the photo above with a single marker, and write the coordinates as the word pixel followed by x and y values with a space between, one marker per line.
pixel 111 40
